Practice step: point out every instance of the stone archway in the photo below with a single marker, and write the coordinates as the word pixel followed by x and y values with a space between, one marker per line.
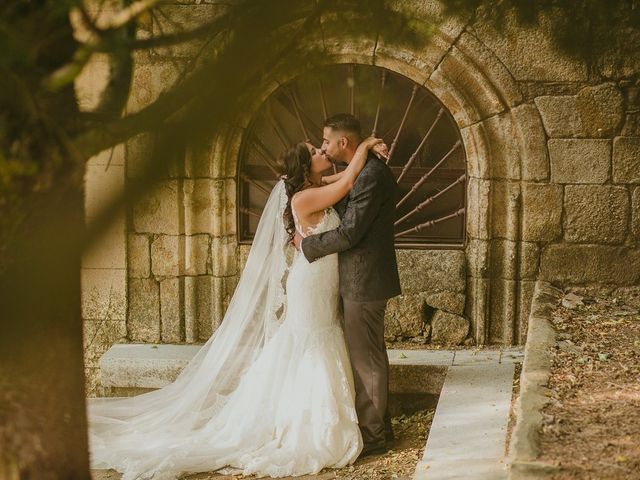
pixel 506 150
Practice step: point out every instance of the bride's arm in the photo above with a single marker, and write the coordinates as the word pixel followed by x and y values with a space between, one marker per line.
pixel 332 178
pixel 313 200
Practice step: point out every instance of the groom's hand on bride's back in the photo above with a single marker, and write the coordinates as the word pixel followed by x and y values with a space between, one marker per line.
pixel 297 241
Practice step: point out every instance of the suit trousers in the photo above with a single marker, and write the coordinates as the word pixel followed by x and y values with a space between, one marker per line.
pixel 364 334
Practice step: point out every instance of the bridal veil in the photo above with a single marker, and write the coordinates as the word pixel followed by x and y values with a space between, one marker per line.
pixel 153 422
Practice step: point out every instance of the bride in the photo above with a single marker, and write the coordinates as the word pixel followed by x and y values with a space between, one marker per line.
pixel 271 392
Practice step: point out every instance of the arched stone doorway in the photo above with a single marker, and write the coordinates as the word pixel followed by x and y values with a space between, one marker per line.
pixel 505 144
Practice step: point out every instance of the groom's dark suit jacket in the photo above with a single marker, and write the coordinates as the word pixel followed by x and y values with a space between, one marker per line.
pixel 364 239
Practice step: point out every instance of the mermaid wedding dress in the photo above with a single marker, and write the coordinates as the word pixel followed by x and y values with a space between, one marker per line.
pixel 270 393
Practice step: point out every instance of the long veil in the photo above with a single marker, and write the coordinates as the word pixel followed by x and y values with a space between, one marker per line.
pixel 134 428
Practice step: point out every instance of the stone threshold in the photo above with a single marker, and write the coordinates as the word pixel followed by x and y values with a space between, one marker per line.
pixel 132 368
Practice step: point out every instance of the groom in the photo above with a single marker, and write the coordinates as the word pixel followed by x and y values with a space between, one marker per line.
pixel 368 274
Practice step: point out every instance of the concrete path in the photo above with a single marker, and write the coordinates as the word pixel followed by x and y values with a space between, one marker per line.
pixel 467 438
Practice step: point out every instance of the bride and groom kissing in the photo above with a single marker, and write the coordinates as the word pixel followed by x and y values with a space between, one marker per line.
pixel 295 379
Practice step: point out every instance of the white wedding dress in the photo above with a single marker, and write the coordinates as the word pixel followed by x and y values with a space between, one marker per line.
pixel 291 412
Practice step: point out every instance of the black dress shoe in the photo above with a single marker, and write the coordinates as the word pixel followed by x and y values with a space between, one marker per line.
pixel 374 449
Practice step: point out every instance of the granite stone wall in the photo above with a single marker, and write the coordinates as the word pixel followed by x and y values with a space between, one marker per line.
pixel 553 187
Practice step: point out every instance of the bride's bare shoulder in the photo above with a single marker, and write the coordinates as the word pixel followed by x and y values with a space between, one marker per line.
pixel 299 198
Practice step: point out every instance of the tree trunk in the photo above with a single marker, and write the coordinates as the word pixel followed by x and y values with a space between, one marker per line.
pixel 43 431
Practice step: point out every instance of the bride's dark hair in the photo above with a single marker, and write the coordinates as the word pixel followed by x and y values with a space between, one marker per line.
pixel 295 165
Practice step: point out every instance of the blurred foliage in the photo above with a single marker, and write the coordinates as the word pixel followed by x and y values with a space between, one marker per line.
pixel 45 139
pixel 584 29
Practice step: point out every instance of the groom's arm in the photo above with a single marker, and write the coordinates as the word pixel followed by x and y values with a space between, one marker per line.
pixel 361 210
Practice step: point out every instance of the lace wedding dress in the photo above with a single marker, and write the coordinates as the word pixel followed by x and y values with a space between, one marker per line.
pixel 289 412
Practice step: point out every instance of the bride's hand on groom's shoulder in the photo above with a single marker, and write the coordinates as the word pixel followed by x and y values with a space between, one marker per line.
pixel 380 148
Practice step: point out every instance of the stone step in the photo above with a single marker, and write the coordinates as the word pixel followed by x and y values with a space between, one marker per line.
pixel 131 368
pixel 467 438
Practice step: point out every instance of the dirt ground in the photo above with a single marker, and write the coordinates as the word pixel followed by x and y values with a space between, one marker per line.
pixel 592 422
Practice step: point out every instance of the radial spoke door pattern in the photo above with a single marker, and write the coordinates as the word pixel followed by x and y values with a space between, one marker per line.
pixel 426 152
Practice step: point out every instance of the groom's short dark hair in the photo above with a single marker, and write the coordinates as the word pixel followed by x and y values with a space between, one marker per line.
pixel 344 122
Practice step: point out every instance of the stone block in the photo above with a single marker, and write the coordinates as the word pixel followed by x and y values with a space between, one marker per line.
pixel 503 311
pixel 542 211
pixel 431 271
pixel 224 255
pixel 505 199
pixel 170 310
pixel 529 260
pixel 490 66
pixel 530 52
pixel 139 152
pixel 526 295
pixel 92 382
pixel 102 186
pixel 595 213
pixel 178 18
pixel 196 254
pixel 434 42
pixel 143 324
pixel 243 254
pixel 478 218
pixel 108 249
pixel 223 289
pixel 447 301
pixel 343 41
pixel 166 255
pixel 138 256
pixel 104 294
pixel 211 206
pixel 503 259
pixel 528 129
pixel 601 109
pixel 198 307
pixel 503 150
pixel 98 336
pixel 448 328
pixel 560 115
pixel 476 98
pixel 635 212
pixel 477 256
pixel 580 160
pixel 626 160
pixel 214 157
pixel 477 307
pixel 405 315
pixel 158 210
pixel 474 140
pixel 578 264
pixel 149 80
